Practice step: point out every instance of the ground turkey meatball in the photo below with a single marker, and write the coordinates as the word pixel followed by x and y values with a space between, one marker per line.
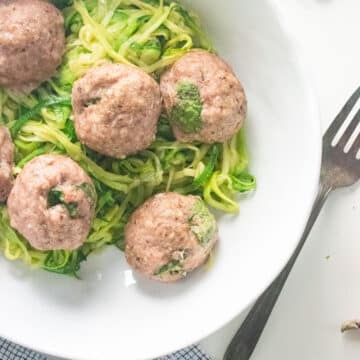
pixel 203 98
pixel 6 163
pixel 32 42
pixel 52 203
pixel 116 109
pixel 169 236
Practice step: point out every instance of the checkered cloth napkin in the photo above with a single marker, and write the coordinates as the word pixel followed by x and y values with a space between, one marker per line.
pixel 10 351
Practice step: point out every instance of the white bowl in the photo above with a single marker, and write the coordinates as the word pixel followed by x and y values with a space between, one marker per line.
pixel 112 314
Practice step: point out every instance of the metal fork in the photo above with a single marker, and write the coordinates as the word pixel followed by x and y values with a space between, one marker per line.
pixel 338 169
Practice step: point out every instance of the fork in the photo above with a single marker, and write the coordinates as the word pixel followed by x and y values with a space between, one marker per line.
pixel 340 168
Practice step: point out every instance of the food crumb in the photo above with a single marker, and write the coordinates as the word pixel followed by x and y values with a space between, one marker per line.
pixel 350 325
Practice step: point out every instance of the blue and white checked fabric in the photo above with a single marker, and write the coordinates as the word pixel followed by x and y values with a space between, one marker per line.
pixel 10 351
pixel 189 353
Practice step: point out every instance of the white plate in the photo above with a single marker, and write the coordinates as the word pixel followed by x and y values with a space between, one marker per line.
pixel 111 314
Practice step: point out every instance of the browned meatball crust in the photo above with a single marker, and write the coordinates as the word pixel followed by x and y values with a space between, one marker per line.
pixel 52 203
pixel 116 109
pixel 169 236
pixel 32 42
pixel 6 163
pixel 223 101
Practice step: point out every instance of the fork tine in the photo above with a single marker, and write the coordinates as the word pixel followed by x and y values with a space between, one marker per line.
pixel 349 131
pixel 355 147
pixel 344 113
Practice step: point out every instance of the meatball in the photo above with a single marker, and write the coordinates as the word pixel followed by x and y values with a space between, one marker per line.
pixel 169 236
pixel 52 203
pixel 32 42
pixel 203 98
pixel 6 163
pixel 116 109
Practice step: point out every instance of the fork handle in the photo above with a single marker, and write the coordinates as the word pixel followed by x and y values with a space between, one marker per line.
pixel 246 338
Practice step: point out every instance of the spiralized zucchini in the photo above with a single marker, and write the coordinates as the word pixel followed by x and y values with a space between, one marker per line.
pixel 151 34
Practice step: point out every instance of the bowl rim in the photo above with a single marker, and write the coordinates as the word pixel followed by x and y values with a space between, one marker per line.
pixel 313 110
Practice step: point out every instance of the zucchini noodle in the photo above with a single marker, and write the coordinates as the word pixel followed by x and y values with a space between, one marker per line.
pixel 151 34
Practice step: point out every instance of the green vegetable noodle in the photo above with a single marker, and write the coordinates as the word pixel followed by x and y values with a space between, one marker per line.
pixel 151 34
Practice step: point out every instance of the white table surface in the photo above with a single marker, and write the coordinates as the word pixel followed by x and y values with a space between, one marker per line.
pixel 320 294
